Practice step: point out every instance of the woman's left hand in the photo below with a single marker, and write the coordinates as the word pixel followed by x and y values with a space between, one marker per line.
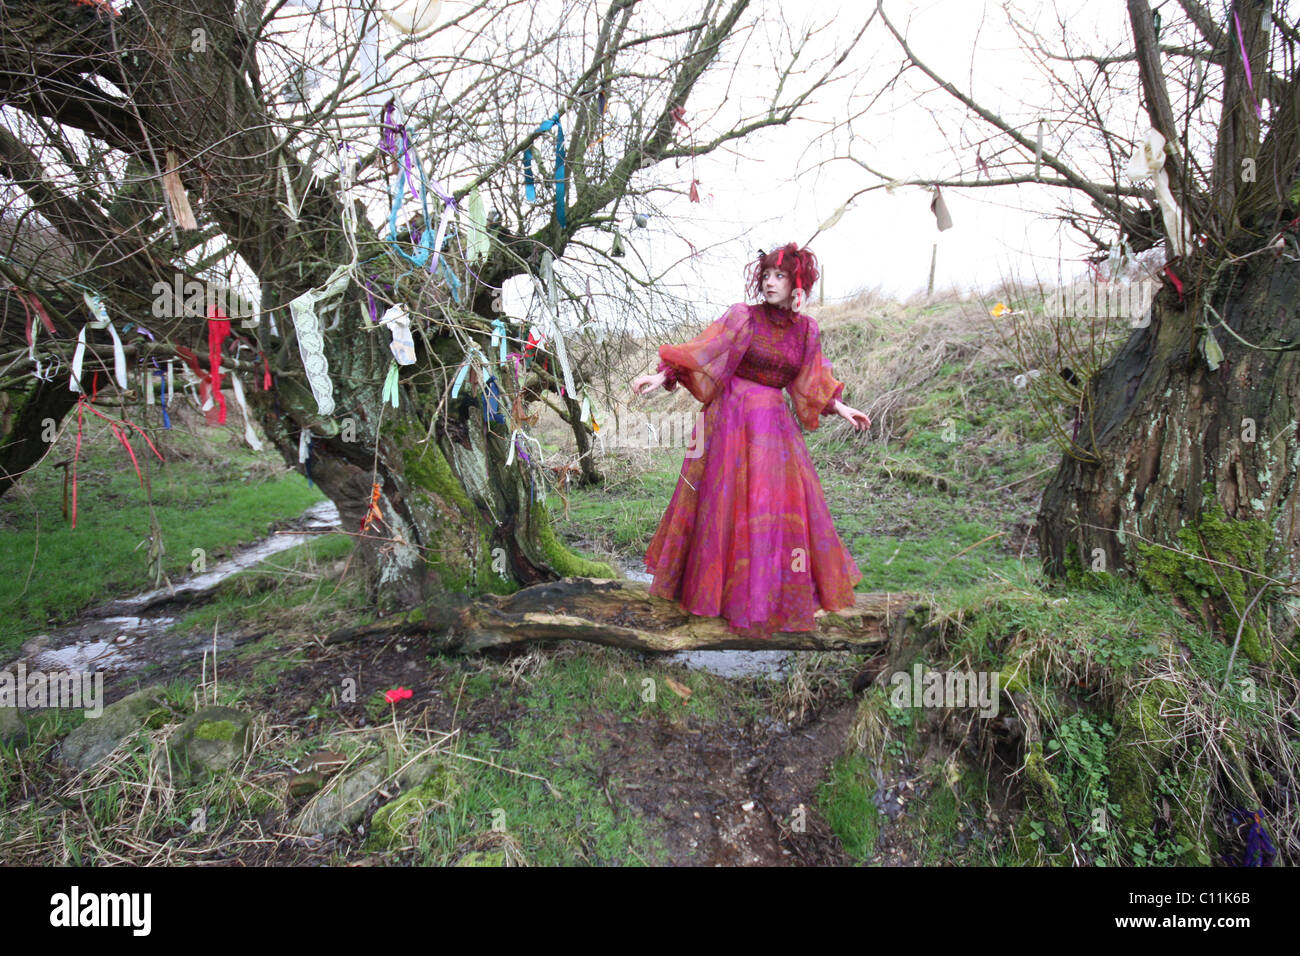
pixel 859 420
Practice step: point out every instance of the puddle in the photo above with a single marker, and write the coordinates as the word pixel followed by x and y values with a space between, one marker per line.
pixel 126 634
pixel 771 664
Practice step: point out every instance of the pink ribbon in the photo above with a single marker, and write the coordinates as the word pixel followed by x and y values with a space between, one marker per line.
pixel 1241 40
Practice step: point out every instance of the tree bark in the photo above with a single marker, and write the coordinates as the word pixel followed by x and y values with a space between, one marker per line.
pixel 619 613
pixel 1170 439
pixel 24 444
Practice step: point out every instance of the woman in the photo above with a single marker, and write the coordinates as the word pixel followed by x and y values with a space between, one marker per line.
pixel 747 535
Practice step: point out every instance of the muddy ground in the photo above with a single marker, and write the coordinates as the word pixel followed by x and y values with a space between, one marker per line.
pixel 714 792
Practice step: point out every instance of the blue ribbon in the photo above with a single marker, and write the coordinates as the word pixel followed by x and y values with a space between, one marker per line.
pixel 460 378
pixel 452 282
pixel 499 330
pixel 529 191
pixel 490 400
pixel 425 244
pixel 162 397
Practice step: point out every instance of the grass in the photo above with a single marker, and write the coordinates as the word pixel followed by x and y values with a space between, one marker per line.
pixel 539 795
pixel 50 571
pixel 847 803
pixel 276 590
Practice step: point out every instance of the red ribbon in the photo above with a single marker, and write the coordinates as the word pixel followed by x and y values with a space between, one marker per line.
pixel 100 5
pixel 117 427
pixel 32 304
pixel 266 373
pixel 695 192
pixel 192 360
pixel 218 329
pixel 1175 280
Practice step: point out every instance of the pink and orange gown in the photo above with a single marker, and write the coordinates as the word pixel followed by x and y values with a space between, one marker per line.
pixel 747 535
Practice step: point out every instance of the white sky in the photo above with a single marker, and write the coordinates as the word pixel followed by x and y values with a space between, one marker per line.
pixel 886 239
pixel 780 184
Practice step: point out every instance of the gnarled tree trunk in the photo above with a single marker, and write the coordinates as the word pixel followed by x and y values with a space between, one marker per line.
pixel 1169 441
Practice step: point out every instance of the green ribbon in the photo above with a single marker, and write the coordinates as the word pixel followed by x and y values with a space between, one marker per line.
pixel 390 386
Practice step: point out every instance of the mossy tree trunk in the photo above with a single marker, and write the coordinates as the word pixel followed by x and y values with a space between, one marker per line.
pixel 454 516
pixel 1178 457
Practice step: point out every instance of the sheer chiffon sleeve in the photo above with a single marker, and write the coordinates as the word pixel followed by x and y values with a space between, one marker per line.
pixel 815 389
pixel 705 363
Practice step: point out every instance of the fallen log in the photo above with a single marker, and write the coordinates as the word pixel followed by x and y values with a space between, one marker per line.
pixel 616 613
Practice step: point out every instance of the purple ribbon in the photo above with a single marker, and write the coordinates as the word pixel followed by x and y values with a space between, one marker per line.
pixel 389 144
pixel 371 304
pixel 139 328
pixel 519 447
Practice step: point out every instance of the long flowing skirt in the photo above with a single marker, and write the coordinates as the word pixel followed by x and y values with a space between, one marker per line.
pixel 748 536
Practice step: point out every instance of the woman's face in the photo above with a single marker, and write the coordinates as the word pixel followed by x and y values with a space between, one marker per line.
pixel 777 286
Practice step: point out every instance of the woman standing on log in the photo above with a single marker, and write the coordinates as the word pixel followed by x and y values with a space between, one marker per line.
pixel 748 536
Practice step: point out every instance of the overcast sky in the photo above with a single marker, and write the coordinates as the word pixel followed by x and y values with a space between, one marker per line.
pixel 780 184
pixel 782 189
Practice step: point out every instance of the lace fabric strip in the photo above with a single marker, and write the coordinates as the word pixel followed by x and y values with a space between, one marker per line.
pixel 311 343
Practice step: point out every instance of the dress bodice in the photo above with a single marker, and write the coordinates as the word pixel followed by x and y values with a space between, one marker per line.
pixel 776 346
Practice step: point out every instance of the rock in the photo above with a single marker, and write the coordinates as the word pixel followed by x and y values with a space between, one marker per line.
pixel 211 740
pixel 345 805
pixel 325 761
pixel 13 729
pixel 98 737
pixel 394 823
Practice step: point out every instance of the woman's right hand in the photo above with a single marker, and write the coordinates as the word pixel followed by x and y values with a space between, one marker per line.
pixel 648 383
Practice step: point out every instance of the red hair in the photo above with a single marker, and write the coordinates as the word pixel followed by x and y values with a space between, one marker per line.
pixel 799 264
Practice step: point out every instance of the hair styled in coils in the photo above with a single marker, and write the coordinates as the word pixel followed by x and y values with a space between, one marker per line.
pixel 799 264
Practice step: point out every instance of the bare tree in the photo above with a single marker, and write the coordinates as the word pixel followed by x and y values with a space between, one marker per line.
pixel 267 124
pixel 1197 407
